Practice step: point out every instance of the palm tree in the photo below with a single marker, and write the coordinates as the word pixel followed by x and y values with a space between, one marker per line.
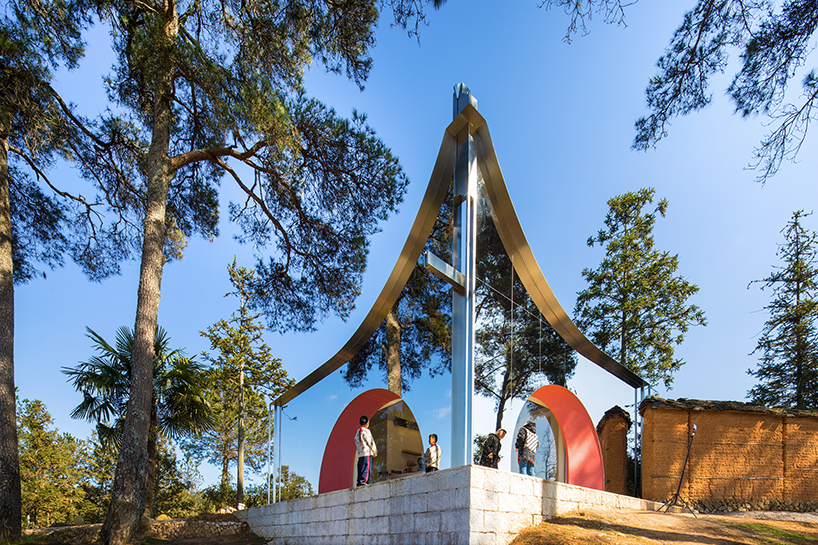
pixel 179 406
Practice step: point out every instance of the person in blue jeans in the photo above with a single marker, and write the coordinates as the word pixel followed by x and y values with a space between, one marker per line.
pixel 526 446
pixel 366 450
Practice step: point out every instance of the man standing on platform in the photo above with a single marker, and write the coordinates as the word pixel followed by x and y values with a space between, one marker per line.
pixel 433 454
pixel 527 445
pixel 490 453
pixel 366 449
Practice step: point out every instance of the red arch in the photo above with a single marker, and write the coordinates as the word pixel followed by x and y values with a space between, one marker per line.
pixel 338 465
pixel 583 455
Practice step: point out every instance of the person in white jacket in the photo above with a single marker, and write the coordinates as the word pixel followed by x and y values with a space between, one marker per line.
pixel 433 454
pixel 366 449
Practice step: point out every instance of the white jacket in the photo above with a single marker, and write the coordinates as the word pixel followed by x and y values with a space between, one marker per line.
pixel 365 443
pixel 432 456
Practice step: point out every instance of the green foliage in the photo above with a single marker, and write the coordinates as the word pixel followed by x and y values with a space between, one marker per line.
pixel 99 478
pixel 322 183
pixel 293 486
pixel 204 88
pixel 788 368
pixel 775 42
pixel 240 357
pixel 175 488
pixel 179 407
pixel 218 495
pixel 479 439
pixel 105 382
pixel 635 304
pixel 48 222
pixel 52 468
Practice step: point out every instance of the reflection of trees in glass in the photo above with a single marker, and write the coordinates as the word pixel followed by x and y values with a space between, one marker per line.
pixel 546 463
pixel 417 330
pixel 517 350
pixel 546 466
pixel 397 437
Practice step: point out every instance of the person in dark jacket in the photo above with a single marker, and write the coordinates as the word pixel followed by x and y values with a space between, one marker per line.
pixel 526 446
pixel 490 453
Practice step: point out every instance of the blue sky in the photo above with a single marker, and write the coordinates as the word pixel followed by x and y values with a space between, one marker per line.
pixel 561 118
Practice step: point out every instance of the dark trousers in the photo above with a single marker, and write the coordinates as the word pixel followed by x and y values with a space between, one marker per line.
pixel 364 468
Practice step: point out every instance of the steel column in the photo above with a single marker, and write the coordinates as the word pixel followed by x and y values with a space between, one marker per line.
pixel 463 260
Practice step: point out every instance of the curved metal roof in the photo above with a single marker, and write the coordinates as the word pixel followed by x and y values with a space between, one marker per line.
pixel 512 236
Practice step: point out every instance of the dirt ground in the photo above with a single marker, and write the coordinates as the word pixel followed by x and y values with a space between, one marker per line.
pixel 648 528
pixel 600 527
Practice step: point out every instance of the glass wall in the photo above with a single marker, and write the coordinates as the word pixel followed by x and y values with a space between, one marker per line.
pixel 550 459
pixel 516 350
pixel 399 443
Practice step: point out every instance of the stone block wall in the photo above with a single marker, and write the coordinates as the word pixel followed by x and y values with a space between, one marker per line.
pixel 466 505
pixel 740 452
pixel 613 439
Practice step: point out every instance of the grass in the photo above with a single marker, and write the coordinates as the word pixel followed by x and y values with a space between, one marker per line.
pixel 771 535
pixel 30 540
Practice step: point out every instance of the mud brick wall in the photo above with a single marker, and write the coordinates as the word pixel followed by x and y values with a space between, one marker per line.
pixel 613 438
pixel 801 459
pixel 740 452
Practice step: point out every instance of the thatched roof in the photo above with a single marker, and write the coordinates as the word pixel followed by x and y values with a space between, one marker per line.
pixel 684 404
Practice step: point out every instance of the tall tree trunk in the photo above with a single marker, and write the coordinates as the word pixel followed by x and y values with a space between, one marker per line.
pixel 10 500
pixel 225 483
pixel 240 454
pixel 150 499
pixel 505 394
pixel 800 348
pixel 623 341
pixel 393 332
pixel 131 480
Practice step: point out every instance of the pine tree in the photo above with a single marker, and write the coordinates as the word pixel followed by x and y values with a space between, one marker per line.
pixel 242 376
pixel 788 367
pixel 774 40
pixel 52 467
pixel 43 220
pixel 214 89
pixel 635 304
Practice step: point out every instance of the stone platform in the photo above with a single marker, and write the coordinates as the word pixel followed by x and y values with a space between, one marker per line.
pixel 468 505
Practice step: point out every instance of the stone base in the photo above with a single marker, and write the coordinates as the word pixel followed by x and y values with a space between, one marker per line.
pixel 464 505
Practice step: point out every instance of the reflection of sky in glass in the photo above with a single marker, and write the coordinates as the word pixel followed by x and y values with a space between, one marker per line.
pixel 545 465
pixel 399 443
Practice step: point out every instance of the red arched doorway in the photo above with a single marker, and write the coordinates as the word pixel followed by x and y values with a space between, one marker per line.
pixel 396 434
pixel 579 454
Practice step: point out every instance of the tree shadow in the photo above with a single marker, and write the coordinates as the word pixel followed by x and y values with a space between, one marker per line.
pixel 659 535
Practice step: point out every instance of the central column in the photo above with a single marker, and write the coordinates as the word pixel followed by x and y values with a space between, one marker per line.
pixel 464 245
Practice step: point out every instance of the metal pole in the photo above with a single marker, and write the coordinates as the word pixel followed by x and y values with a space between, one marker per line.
pixel 280 429
pixel 641 434
pixel 276 431
pixel 463 259
pixel 636 462
pixel 269 447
